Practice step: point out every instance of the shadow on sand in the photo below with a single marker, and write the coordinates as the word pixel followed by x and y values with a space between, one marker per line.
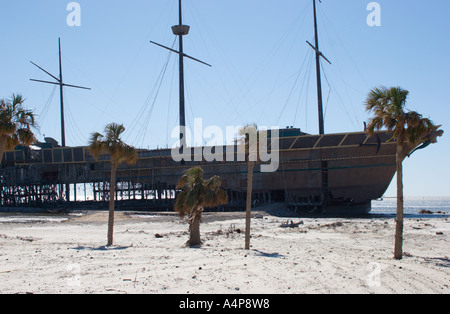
pixel 101 248
pixel 264 254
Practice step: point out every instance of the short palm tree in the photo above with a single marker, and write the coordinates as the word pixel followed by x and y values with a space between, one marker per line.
pixel 15 124
pixel 196 195
pixel 119 152
pixel 409 129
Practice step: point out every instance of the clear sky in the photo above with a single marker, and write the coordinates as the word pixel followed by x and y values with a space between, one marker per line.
pixel 262 72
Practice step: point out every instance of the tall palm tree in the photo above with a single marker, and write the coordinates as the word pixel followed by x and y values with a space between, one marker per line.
pixel 15 124
pixel 196 195
pixel 249 138
pixel 119 152
pixel 409 129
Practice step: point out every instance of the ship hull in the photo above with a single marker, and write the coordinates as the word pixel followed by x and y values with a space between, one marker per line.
pixel 333 172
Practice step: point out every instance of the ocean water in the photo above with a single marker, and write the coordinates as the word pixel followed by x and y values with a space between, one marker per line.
pixel 440 206
pixel 413 205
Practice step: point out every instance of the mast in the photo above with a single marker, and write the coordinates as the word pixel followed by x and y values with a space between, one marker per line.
pixel 319 79
pixel 60 82
pixel 181 30
pixel 61 91
pixel 324 164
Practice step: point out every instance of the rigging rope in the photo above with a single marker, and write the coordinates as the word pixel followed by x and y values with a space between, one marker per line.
pixel 76 135
pixel 335 35
pixel 245 87
pixel 339 98
pixel 142 112
pixel 43 114
pixel 295 84
pixel 306 81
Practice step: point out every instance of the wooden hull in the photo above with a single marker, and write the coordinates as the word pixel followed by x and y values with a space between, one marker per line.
pixel 343 172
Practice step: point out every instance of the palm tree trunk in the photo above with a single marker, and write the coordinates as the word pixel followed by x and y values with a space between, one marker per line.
pixel 398 251
pixel 112 196
pixel 251 166
pixel 194 228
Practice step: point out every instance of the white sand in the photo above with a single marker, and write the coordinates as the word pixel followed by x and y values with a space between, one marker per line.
pixel 321 256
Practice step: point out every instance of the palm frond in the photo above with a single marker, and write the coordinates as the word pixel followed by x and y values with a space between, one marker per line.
pixel 388 109
pixel 112 145
pixel 198 193
pixel 25 136
pixel 377 99
pixel 180 204
pixel 16 122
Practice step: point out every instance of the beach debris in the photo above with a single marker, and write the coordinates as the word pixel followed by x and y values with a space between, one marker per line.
pixel 291 224
pixel 333 225
pixel 439 233
pixel 159 236
pixel 116 290
pixel 26 239
pixel 8 271
pixel 232 229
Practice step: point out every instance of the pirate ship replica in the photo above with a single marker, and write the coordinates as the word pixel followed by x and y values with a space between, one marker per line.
pixel 325 172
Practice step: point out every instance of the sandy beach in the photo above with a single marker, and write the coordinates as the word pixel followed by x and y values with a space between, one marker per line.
pixel 321 255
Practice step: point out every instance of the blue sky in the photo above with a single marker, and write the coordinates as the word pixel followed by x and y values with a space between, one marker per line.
pixel 262 72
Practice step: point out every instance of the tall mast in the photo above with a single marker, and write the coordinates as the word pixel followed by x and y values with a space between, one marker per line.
pixel 181 30
pixel 319 79
pixel 60 82
pixel 63 131
pixel 324 164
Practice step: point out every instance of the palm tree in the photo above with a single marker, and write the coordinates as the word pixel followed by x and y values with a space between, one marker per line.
pixel 409 129
pixel 196 195
pixel 249 138
pixel 119 152
pixel 15 124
